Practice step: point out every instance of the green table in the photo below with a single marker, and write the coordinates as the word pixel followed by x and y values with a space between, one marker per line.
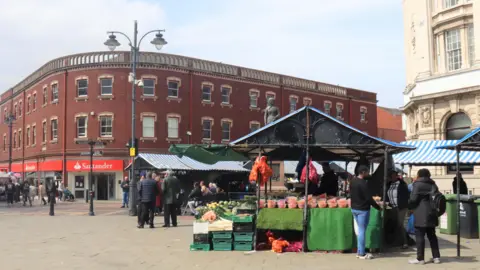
pixel 280 219
pixel 373 236
pixel 330 229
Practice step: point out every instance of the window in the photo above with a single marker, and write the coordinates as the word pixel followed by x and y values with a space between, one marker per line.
pixel 28 136
pixel 34 103
pixel 363 114
pixel 253 99
pixel 307 101
pixel 149 87
pixel 34 135
pixel 450 3
pixel 45 96
pixel 106 126
pixel 226 126
pixel 55 92
pixel 172 123
pixel 340 111
pixel 82 88
pixel 453 49
pixel 4 142
pixel 15 110
pixel 226 91
pixel 207 129
pixel 82 127
pixel 20 109
pixel 327 106
pixel 471 44
pixel 207 92
pixel 148 126
pixel 29 103
pixel 293 103
pixel 457 126
pixel 14 139
pixel 270 95
pixel 173 87
pixel 44 131
pixel 254 126
pixel 19 139
pixel 54 129
pixel 106 86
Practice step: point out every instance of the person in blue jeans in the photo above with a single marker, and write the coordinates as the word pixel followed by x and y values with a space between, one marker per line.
pixel 361 201
pixel 126 190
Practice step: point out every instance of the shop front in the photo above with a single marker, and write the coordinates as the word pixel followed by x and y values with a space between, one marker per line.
pixel 37 171
pixel 105 179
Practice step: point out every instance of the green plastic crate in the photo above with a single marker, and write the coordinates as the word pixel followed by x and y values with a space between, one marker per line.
pixel 222 244
pixel 243 236
pixel 243 246
pixel 200 247
pixel 242 219
pixel 222 235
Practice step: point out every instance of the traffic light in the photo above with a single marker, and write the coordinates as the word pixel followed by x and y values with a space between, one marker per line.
pixel 133 150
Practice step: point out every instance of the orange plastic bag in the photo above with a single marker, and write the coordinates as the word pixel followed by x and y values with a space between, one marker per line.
pixel 260 166
pixel 279 245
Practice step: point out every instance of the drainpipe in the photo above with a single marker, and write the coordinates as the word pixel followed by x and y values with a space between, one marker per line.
pixel 23 137
pixel 350 111
pixel 190 105
pixel 64 133
pixel 281 96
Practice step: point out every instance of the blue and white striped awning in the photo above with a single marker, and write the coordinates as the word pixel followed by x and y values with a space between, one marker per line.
pixel 427 153
pixel 184 163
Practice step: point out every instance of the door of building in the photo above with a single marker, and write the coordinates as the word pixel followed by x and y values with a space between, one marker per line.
pixel 102 187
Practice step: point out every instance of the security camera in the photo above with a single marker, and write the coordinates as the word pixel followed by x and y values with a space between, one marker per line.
pixel 140 83
pixel 189 133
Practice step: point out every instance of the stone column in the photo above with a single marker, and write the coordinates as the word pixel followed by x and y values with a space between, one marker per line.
pixel 440 43
pixel 464 46
pixel 476 31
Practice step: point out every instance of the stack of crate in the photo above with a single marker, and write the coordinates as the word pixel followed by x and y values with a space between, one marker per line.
pixel 222 240
pixel 243 232
pixel 201 239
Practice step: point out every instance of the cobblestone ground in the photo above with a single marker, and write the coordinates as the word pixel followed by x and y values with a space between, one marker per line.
pixel 73 240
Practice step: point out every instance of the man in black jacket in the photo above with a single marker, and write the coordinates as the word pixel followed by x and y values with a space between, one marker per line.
pixel 329 181
pixel 425 218
pixel 361 201
pixel 463 186
pixel 147 193
pixel 10 192
pixel 193 197
pixel 397 197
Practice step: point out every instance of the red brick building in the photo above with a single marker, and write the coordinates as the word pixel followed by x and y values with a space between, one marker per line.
pixel 88 96
pixel 390 124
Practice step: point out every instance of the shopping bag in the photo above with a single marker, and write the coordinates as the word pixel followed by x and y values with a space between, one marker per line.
pixel 411 225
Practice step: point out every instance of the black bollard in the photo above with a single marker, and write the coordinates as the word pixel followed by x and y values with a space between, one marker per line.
pixel 52 204
pixel 91 213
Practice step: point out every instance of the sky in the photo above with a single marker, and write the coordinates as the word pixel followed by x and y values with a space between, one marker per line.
pixel 351 43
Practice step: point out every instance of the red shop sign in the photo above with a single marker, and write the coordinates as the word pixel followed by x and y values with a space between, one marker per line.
pixel 51 165
pixel 98 165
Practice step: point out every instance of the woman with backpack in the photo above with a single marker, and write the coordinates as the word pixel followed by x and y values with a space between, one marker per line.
pixel 425 215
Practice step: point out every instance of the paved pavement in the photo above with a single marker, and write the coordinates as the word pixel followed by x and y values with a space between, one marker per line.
pixel 73 240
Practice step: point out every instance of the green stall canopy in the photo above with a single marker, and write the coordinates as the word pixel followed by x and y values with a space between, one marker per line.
pixel 209 154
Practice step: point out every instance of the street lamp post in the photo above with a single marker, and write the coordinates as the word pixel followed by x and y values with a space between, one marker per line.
pixel 112 43
pixel 9 120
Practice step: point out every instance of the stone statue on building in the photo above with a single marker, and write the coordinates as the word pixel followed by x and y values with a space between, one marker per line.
pixel 271 112
pixel 426 116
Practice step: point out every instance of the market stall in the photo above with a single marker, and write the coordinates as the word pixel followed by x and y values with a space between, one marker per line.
pixel 312 135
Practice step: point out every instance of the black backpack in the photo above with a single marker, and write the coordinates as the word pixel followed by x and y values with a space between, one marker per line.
pixel 438 201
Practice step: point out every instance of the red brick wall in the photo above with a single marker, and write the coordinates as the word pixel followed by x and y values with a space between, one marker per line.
pixel 390 125
pixel 189 107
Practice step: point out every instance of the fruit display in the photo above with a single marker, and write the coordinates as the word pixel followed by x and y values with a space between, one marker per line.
pixel 271 204
pixel 209 216
pixel 322 203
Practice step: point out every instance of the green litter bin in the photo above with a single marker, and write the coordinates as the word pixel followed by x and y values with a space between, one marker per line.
pixel 478 208
pixel 448 221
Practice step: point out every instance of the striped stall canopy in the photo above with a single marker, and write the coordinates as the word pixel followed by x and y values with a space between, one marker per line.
pixel 428 154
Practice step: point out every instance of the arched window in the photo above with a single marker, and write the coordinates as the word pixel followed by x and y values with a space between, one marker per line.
pixel 458 125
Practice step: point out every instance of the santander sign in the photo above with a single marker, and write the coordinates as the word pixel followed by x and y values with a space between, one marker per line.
pixel 98 165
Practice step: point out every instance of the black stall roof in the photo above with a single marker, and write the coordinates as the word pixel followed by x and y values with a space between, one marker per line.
pixel 330 139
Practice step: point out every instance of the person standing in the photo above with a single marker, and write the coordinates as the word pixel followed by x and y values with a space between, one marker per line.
pixel 26 194
pixel 125 185
pixel 329 181
pixel 425 216
pixel 42 193
pixel 10 192
pixel 60 191
pixel 147 193
pixel 171 190
pixel 361 201
pixel 463 185
pixel 158 199
pixel 397 196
